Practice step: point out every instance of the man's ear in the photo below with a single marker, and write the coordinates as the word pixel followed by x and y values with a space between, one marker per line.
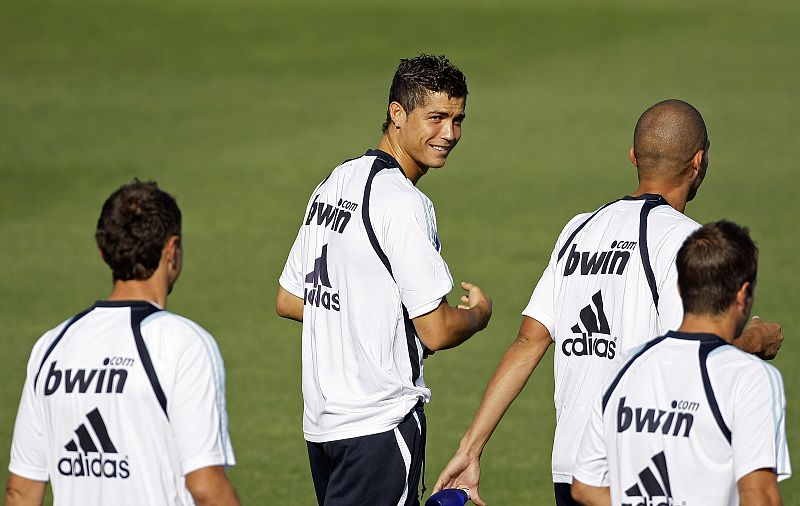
pixel 397 114
pixel 695 166
pixel 697 159
pixel 172 251
pixel 632 156
pixel 744 296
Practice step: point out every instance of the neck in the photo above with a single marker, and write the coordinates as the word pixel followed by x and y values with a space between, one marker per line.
pixel 722 325
pixel 411 169
pixel 676 196
pixel 151 290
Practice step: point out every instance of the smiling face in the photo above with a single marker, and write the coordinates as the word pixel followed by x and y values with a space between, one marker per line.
pixel 427 134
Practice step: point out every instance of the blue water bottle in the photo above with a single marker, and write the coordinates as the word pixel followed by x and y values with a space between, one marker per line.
pixel 449 497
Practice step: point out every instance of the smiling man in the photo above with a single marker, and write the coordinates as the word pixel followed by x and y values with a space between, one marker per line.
pixel 367 279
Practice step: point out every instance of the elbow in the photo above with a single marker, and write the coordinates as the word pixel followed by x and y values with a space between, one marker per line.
pixel 281 309
pixel 434 341
pixel 289 306
pixel 289 312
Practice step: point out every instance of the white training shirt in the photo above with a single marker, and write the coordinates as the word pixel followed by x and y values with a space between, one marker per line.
pixel 683 421
pixel 366 261
pixel 120 403
pixel 597 297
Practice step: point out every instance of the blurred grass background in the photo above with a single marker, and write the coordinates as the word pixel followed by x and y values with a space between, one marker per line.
pixel 240 108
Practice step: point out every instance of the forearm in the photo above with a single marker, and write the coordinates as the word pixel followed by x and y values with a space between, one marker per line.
pixel 749 341
pixel 506 383
pixel 511 375
pixel 759 498
pixel 459 325
pixel 447 327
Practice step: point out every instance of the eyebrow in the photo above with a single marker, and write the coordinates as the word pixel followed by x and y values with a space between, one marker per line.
pixel 460 116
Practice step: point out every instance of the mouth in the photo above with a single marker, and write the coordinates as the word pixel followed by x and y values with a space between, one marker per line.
pixel 442 149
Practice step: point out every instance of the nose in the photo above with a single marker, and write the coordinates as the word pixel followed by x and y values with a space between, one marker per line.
pixel 450 131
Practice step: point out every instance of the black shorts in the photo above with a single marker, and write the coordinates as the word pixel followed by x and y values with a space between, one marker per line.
pixel 376 470
pixel 564 495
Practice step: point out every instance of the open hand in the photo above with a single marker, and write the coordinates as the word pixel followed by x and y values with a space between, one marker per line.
pixel 463 472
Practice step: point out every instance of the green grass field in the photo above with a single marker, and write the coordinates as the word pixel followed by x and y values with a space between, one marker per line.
pixel 240 107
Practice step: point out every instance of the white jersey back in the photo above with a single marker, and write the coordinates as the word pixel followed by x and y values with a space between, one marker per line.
pixel 611 284
pixel 121 402
pixel 366 261
pixel 683 421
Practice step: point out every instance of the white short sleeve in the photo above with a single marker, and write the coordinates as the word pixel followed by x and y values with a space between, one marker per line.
pixel 670 305
pixel 292 278
pixel 29 443
pixel 196 407
pixel 28 447
pixel 591 466
pixel 759 428
pixel 541 305
pixel 409 238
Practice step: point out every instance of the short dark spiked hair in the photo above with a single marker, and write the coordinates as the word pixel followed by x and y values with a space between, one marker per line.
pixel 136 222
pixel 416 77
pixel 713 263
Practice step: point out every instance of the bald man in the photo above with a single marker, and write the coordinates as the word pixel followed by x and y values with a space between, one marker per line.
pixel 611 285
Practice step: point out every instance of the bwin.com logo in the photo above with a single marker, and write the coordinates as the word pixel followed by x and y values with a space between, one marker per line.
pixel 593 321
pixel 318 295
pixel 651 490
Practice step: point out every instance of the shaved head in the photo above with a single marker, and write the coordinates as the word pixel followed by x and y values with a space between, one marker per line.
pixel 666 138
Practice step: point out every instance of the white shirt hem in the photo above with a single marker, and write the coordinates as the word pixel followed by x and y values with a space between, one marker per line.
pixel 31 473
pixel 588 478
pixel 207 460
pixel 542 318
pixel 291 288
pixel 562 478
pixel 424 308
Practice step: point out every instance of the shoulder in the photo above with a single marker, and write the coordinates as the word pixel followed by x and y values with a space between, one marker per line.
pixel 574 223
pixel 45 341
pixel 392 191
pixel 571 227
pixel 351 164
pixel 669 224
pixel 54 332
pixel 343 171
pixel 746 369
pixel 612 208
pixel 639 354
pixel 175 331
pixel 365 162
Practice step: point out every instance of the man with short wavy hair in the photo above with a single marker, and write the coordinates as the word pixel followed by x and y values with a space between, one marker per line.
pixel 124 403
pixel 367 279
